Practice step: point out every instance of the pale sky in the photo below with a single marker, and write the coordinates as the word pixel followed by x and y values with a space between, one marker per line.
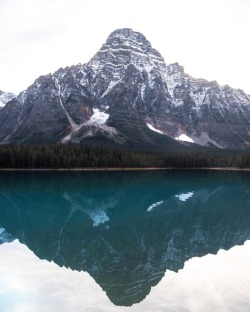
pixel 210 38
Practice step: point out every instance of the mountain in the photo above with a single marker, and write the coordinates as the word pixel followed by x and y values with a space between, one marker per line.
pixel 5 237
pixel 126 95
pixel 125 229
pixel 5 97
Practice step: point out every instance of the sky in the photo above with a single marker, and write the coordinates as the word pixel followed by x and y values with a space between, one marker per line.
pixel 210 38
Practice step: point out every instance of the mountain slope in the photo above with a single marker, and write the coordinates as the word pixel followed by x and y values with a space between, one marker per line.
pixel 128 82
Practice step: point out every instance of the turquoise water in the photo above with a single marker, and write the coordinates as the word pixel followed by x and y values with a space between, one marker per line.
pixel 125 229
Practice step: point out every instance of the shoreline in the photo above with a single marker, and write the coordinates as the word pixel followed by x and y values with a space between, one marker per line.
pixel 122 169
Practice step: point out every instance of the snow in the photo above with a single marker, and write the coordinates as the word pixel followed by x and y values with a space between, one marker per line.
pixel 110 87
pixel 184 137
pixel 177 102
pixel 72 123
pixel 148 66
pixel 184 196
pixel 141 53
pixel 174 78
pixel 143 88
pixel 139 58
pixel 157 59
pixel 154 129
pixel 155 205
pixel 22 97
pixel 99 217
pixel 5 98
pixel 199 96
pixel 98 117
pixel 67 138
pixel 106 64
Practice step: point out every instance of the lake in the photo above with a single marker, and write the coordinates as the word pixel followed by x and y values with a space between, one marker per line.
pixel 125 241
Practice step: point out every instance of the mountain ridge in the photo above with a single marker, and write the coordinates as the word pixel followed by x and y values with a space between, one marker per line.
pixel 128 81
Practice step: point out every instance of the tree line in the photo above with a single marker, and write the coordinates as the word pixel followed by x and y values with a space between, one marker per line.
pixel 90 156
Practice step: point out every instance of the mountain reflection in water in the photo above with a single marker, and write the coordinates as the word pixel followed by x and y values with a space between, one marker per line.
pixel 125 228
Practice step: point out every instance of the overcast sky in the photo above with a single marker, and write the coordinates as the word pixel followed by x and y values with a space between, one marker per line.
pixel 210 38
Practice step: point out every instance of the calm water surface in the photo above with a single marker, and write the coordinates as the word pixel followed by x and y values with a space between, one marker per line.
pixel 121 241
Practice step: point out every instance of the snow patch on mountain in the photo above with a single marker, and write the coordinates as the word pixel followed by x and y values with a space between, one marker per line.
pixel 185 138
pixel 154 129
pixel 98 117
pixel 5 97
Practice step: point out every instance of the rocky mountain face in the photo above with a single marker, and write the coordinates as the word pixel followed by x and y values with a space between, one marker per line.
pixel 99 224
pixel 208 113
pixel 127 95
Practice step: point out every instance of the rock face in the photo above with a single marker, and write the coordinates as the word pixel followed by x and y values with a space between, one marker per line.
pixel 207 112
pixel 128 81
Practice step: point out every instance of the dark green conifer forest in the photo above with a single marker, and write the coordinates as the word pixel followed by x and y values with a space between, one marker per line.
pixel 90 156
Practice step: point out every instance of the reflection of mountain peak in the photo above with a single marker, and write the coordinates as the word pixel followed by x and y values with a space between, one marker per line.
pixel 184 196
pixel 122 244
pixel 5 237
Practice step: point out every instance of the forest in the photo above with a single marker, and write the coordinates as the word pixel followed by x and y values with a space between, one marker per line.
pixel 89 156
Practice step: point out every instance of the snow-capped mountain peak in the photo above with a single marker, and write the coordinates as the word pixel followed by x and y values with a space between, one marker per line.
pixel 126 94
pixel 5 97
